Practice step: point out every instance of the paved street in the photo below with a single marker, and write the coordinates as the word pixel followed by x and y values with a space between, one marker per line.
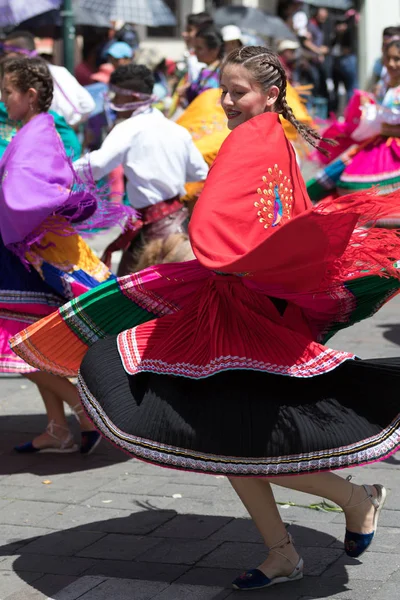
pixel 108 527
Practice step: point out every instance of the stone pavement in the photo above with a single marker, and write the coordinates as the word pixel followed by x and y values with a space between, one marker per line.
pixel 107 527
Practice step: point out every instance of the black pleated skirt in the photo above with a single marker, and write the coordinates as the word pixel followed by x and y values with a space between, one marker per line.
pixel 246 423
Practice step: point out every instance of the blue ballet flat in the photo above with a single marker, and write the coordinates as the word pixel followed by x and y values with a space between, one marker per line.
pixel 89 441
pixel 256 580
pixel 27 448
pixel 63 444
pixel 357 543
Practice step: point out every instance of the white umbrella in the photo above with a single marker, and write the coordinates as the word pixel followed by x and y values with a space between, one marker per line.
pixel 13 12
pixel 153 13
pixel 339 4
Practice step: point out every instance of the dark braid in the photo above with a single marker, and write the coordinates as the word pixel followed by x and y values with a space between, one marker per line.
pixel 267 70
pixel 33 73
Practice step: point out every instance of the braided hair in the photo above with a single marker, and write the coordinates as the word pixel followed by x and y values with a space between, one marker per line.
pixel 212 38
pixel 33 73
pixel 266 69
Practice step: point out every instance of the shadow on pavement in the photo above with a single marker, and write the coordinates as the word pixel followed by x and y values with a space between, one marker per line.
pixel 392 333
pixel 17 429
pixel 160 545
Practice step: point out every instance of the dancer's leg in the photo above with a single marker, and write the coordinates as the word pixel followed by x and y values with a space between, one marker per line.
pixel 57 433
pixel 61 390
pixel 359 514
pixel 258 498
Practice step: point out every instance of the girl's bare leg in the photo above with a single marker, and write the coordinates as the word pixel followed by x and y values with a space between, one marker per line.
pixel 257 496
pixel 57 391
pixel 59 432
pixel 359 515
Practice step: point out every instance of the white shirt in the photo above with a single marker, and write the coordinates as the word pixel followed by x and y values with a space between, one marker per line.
pixel 158 157
pixel 193 66
pixel 300 23
pixel 70 99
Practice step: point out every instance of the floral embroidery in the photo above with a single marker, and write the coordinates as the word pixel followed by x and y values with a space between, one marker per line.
pixel 276 198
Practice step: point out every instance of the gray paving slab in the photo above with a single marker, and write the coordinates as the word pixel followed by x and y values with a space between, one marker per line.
pixel 49 565
pixel 170 490
pixel 65 543
pixel 20 534
pixel 184 592
pixel 45 493
pixel 238 530
pixel 374 565
pixel 318 534
pixel 128 502
pixel 396 576
pixel 4 502
pixel 137 484
pixel 230 555
pixel 51 583
pixel 87 518
pixel 11 582
pixel 209 506
pixel 217 577
pixel 193 527
pixel 388 591
pixel 91 518
pixel 124 589
pixel 138 570
pixel 77 589
pixel 177 551
pixel 315 588
pixel 120 547
pixel 28 512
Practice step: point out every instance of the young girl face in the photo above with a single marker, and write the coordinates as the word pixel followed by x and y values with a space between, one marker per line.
pixel 242 98
pixel 203 53
pixel 392 62
pixel 18 104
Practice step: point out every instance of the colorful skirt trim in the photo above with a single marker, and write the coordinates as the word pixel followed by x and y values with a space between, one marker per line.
pixel 242 424
pixel 54 272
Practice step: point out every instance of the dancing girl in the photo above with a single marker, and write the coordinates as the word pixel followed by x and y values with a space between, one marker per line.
pixel 219 365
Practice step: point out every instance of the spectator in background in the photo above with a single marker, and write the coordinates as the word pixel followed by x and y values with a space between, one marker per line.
pixel 119 53
pixel 209 49
pixel 232 36
pixel 287 52
pixel 389 34
pixel 88 65
pixel 316 51
pixel 121 32
pixel 128 34
pixel 297 18
pixel 70 99
pixel 344 56
pixel 316 28
pixel 194 22
pixel 157 64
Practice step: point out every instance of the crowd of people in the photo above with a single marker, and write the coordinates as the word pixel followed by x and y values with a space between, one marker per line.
pixel 212 359
pixel 325 55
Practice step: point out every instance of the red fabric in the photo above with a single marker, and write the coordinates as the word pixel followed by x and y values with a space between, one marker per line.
pixel 298 250
pixel 299 253
pixel 117 185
